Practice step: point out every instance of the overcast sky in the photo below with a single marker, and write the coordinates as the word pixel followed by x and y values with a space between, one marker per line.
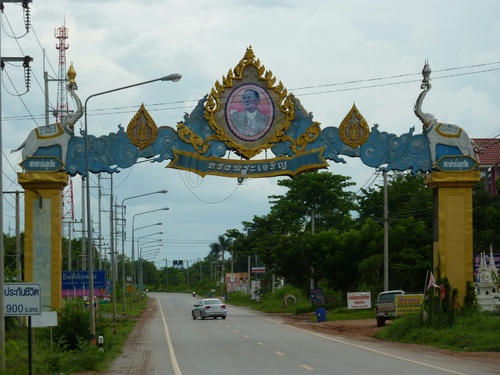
pixel 329 54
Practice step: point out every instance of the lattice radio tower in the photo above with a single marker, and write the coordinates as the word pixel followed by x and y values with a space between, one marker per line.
pixel 61 33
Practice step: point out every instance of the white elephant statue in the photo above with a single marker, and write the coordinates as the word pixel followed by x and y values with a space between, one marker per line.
pixel 437 132
pixel 58 134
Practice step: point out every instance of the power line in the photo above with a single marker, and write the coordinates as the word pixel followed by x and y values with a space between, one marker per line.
pixel 185 104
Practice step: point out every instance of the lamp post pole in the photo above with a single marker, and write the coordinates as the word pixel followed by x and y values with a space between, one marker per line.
pixel 123 242
pixel 140 261
pixel 153 246
pixel 199 260
pixel 166 274
pixel 148 255
pixel 133 266
pixel 133 250
pixel 172 77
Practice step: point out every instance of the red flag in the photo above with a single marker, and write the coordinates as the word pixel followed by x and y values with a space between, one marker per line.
pixel 432 282
pixel 443 292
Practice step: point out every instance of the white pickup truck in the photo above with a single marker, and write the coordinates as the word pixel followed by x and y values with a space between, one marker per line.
pixel 385 307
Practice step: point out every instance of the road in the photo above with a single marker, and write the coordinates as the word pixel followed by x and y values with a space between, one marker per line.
pixel 247 342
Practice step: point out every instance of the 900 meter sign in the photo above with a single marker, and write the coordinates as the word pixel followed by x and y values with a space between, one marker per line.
pixel 22 299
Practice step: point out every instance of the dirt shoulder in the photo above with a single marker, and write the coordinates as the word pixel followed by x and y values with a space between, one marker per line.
pixel 365 329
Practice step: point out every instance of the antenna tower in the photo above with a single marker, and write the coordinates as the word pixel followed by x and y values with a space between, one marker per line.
pixel 62 109
pixel 61 34
pixel 68 213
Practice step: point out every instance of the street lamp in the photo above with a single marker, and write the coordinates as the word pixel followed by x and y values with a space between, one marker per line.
pixel 171 77
pixel 124 237
pixel 199 260
pixel 150 243
pixel 133 265
pixel 153 249
pixel 166 274
pixel 133 224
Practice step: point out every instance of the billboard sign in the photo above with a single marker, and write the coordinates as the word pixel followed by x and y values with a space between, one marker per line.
pixel 407 304
pixel 72 280
pixel 359 300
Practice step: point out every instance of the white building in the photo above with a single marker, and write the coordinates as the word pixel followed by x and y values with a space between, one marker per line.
pixel 487 286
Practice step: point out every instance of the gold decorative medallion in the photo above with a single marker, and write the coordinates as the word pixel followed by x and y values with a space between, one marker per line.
pixel 142 130
pixel 248 111
pixel 354 130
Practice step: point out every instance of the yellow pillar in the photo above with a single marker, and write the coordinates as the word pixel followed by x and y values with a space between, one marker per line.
pixel 43 233
pixel 452 246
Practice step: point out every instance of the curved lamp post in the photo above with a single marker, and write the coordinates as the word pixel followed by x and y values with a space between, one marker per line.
pixel 139 266
pixel 152 250
pixel 171 77
pixel 124 236
pixel 133 230
pixel 133 265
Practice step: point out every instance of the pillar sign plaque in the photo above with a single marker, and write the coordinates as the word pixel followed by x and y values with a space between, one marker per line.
pixel 42 164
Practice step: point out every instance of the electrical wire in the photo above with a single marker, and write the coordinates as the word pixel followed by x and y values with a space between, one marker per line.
pixel 205 201
pixel 165 106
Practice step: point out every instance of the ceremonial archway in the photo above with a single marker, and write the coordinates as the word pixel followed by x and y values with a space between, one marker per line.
pixel 249 113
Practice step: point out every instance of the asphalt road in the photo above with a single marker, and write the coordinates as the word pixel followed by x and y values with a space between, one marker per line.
pixel 171 342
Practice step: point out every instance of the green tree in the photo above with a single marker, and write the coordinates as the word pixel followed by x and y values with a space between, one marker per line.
pixel 486 219
pixel 410 206
pixel 321 196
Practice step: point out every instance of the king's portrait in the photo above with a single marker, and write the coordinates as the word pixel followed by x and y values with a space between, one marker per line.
pixel 250 112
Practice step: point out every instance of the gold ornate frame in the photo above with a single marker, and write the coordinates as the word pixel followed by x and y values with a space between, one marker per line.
pixel 142 129
pixel 354 130
pixel 249 71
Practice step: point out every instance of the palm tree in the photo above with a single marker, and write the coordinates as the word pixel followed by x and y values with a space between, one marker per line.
pixel 217 248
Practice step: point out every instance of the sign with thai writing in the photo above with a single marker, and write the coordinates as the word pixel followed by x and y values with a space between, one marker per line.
pixel 22 299
pixel 456 163
pixel 282 166
pixel 41 164
pixel 80 280
pixel 407 304
pixel 359 300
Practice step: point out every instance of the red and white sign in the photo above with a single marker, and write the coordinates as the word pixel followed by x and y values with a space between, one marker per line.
pixel 359 300
pixel 258 269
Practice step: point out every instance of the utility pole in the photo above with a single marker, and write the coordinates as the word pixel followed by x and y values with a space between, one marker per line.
pixel 19 273
pixel 26 60
pixel 166 274
pixel 222 271
pixel 386 235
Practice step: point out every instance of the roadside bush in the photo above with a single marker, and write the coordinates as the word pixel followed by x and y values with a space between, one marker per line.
pixel 472 333
pixel 239 299
pixel 73 325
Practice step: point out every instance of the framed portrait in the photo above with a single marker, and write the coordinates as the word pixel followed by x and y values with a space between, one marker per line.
pixel 249 112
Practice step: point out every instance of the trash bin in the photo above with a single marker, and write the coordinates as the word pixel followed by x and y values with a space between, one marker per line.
pixel 321 314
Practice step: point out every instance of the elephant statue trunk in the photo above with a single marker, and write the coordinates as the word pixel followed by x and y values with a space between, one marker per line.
pixel 436 132
pixel 55 134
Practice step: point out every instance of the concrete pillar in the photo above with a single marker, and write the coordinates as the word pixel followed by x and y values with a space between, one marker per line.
pixel 452 247
pixel 43 233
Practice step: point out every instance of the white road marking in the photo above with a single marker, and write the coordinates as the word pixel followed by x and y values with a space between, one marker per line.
pixel 175 365
pixel 386 354
pixel 359 346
